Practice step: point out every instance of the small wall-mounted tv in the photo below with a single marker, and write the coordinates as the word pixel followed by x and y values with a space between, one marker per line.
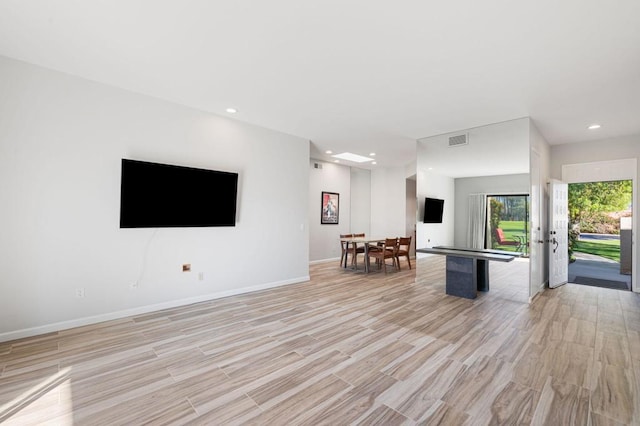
pixel 433 210
pixel 156 195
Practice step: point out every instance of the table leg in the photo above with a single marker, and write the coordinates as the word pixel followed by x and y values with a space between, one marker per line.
pixel 366 258
pixel 346 254
pixel 462 277
pixel 482 274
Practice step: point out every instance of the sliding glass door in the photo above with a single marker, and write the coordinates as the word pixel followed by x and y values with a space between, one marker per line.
pixel 508 222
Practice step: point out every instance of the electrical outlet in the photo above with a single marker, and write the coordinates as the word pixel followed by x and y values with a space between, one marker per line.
pixel 80 293
pixel 200 276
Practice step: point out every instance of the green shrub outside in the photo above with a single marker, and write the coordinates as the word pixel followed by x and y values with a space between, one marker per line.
pixel 494 220
pixel 599 223
pixel 574 234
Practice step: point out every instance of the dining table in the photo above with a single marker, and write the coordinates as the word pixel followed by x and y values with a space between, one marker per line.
pixel 366 242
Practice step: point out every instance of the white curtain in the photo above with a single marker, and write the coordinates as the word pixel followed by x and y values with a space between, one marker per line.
pixel 477 220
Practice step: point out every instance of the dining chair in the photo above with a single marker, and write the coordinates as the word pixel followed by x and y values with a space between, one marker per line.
pixel 356 250
pixel 404 245
pixel 343 247
pixel 382 253
pixel 516 241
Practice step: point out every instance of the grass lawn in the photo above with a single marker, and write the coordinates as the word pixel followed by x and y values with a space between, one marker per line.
pixel 512 227
pixel 605 248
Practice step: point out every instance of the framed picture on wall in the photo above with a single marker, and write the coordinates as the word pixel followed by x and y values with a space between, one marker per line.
pixel 330 208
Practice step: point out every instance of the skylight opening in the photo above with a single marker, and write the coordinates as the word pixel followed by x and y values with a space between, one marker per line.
pixel 353 157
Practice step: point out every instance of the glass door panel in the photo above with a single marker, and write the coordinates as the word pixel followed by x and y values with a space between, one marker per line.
pixel 508 223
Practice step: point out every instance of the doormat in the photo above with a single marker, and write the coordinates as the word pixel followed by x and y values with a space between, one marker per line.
pixel 597 282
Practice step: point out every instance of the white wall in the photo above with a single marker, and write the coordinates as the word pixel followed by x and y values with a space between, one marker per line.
pixel 539 257
pixel 490 185
pixel 589 152
pixel 371 202
pixel 61 142
pixel 410 170
pixel 360 201
pixel 411 213
pixel 388 202
pixel 325 239
pixel 435 186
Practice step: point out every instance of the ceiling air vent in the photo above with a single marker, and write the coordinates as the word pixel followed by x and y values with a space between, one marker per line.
pixel 459 140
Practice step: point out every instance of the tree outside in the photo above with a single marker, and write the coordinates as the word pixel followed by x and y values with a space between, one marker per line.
pixel 596 208
pixel 496 208
pixel 595 203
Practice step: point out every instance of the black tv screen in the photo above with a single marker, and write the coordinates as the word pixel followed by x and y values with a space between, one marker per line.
pixel 433 210
pixel 156 195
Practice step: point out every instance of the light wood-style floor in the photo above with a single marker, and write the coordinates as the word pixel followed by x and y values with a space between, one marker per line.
pixel 344 348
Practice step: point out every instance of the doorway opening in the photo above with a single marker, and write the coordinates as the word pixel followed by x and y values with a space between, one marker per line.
pixel 600 231
pixel 508 223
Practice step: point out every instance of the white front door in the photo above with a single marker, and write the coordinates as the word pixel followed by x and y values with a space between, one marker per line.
pixel 558 237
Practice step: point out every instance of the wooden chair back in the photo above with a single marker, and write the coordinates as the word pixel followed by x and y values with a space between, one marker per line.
pixel 404 245
pixel 356 250
pixel 386 251
pixel 343 247
pixel 391 244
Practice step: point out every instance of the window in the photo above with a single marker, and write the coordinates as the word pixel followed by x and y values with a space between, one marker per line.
pixel 508 222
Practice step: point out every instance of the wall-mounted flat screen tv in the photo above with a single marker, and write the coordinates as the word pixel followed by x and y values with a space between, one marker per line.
pixel 433 210
pixel 156 195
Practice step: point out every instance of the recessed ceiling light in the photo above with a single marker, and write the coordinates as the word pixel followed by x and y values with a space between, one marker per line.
pixel 328 151
pixel 232 110
pixel 594 127
pixel 353 157
pixel 374 163
pixel 336 161
pixel 372 154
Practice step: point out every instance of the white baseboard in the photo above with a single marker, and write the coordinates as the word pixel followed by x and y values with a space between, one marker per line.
pixel 79 322
pixel 333 259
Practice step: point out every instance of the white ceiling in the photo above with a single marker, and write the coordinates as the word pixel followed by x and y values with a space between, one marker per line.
pixel 354 75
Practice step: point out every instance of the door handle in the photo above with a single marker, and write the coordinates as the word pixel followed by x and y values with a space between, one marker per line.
pixel 556 243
